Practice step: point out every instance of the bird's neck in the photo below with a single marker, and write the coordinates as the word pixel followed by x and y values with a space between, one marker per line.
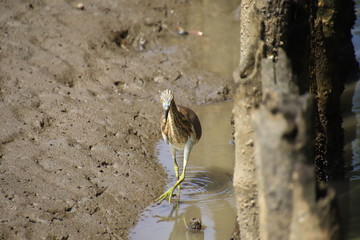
pixel 174 113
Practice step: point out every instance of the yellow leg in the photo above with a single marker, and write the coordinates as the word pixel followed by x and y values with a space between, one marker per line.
pixel 169 193
pixel 176 167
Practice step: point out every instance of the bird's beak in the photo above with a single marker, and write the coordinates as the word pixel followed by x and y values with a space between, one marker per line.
pixel 166 111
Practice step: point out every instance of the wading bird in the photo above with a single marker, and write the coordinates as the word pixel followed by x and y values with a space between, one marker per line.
pixel 181 129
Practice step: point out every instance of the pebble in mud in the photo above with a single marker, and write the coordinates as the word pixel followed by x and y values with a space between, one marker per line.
pixel 195 224
pixel 80 6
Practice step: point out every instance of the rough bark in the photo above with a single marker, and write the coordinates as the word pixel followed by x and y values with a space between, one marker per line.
pixel 284 125
pixel 331 64
pixel 245 173
pixel 247 95
pixel 316 39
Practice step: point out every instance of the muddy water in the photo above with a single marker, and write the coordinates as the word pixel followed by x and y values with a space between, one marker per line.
pixel 218 49
pixel 354 175
pixel 352 149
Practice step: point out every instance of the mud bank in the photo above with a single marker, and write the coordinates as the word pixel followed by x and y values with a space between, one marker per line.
pixel 80 112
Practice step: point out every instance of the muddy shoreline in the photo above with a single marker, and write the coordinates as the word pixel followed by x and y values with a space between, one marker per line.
pixel 80 112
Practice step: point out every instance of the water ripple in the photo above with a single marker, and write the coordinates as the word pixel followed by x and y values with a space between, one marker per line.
pixel 206 186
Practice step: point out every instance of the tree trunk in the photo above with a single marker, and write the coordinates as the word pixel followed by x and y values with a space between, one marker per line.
pixel 284 133
pixel 248 95
pixel 313 38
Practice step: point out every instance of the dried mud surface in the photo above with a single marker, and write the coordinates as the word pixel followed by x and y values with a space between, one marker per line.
pixel 79 92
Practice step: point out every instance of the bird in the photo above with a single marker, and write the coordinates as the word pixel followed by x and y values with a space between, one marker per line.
pixel 181 129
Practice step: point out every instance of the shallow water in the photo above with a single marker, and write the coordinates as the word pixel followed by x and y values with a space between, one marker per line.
pixel 354 175
pixel 352 205
pixel 207 191
pixel 218 50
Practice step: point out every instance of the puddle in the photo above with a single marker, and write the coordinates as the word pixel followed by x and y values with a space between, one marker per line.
pixel 350 197
pixel 218 50
pixel 349 189
pixel 207 191
pixel 354 175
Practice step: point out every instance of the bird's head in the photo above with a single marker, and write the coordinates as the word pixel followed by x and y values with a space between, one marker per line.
pixel 166 98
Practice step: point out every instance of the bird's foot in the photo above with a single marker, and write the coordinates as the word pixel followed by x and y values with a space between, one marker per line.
pixel 168 194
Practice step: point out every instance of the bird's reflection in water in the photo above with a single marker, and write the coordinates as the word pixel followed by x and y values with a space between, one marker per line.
pixel 208 196
pixel 181 223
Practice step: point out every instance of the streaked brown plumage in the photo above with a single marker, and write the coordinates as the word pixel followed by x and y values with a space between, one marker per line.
pixel 182 118
pixel 181 129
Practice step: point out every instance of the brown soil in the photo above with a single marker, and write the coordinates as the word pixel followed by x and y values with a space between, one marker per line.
pixel 79 91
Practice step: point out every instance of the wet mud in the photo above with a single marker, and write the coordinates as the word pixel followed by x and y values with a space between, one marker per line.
pixel 79 103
